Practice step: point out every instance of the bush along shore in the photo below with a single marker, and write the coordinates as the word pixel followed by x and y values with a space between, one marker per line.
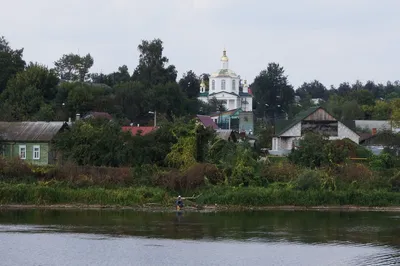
pixel 208 171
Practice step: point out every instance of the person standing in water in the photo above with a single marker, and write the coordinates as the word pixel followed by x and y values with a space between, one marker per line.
pixel 179 203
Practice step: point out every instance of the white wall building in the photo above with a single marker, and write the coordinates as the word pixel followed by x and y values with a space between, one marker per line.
pixel 224 86
pixel 317 120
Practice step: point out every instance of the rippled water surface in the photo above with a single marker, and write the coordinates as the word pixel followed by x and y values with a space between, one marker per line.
pixel 104 237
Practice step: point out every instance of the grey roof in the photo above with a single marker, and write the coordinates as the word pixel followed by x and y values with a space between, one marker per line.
pixel 30 131
pixel 224 134
pixel 370 124
pixel 281 126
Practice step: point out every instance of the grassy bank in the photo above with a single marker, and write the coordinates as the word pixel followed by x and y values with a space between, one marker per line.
pixel 42 194
pixel 258 196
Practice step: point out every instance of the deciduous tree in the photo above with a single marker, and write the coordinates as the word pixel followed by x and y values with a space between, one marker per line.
pixel 152 68
pixel 190 84
pixel 271 87
pixel 73 67
pixel 11 62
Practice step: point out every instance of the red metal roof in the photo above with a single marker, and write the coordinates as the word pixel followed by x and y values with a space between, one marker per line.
pixel 135 130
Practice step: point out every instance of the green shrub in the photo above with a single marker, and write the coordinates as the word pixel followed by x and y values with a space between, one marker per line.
pixel 395 182
pixel 354 172
pixel 14 169
pixel 309 179
pixel 144 175
pixel 381 162
pixel 283 171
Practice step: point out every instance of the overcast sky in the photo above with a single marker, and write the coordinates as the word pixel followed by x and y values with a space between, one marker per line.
pixel 328 40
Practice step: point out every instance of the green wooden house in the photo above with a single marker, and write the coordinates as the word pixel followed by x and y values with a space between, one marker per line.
pixel 30 141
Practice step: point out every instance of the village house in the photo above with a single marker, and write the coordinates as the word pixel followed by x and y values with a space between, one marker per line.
pixel 315 119
pixel 31 141
pixel 235 119
pixel 206 121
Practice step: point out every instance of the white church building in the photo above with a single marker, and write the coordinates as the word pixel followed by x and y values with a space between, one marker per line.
pixel 224 86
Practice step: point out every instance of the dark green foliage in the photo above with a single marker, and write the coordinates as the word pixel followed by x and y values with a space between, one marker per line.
pixel 395 182
pixel 272 87
pixel 11 62
pixel 94 142
pixel 73 67
pixel 309 179
pixel 316 150
pixel 314 89
pixel 27 92
pixel 310 152
pixel 382 161
pixel 190 84
pixel 152 69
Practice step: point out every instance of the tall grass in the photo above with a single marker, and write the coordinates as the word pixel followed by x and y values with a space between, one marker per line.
pixel 223 195
pixel 257 196
pixel 42 195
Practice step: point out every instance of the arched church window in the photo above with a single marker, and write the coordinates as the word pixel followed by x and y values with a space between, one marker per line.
pixel 223 85
pixel 233 84
pixel 213 85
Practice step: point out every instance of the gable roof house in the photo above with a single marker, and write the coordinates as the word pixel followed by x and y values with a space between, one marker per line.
pixel 314 119
pixel 31 141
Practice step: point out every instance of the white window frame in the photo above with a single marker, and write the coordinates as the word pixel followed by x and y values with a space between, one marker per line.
pixel 233 84
pixel 223 85
pixel 20 152
pixel 213 84
pixel 34 152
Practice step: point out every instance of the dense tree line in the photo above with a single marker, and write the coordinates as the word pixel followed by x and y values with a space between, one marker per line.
pixel 35 92
pixel 32 91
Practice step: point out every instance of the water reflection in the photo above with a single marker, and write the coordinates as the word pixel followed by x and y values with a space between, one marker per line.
pixel 349 238
pixel 294 226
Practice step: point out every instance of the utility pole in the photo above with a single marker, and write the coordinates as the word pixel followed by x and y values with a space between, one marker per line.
pixel 155 117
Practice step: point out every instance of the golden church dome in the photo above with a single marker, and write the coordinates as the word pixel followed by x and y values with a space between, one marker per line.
pixel 224 57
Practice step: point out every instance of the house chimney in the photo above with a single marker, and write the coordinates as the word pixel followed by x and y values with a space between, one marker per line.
pixel 138 125
pixel 78 116
pixel 374 131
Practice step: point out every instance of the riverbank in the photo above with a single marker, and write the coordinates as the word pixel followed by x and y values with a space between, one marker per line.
pixel 211 198
pixel 205 208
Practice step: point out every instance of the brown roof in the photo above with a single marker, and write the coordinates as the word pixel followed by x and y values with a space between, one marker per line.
pixel 207 121
pixel 30 131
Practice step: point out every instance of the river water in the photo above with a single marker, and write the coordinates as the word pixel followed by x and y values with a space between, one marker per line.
pixel 126 237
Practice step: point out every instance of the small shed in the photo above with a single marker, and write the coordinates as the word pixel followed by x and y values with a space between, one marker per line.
pixel 31 141
pixel 226 134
